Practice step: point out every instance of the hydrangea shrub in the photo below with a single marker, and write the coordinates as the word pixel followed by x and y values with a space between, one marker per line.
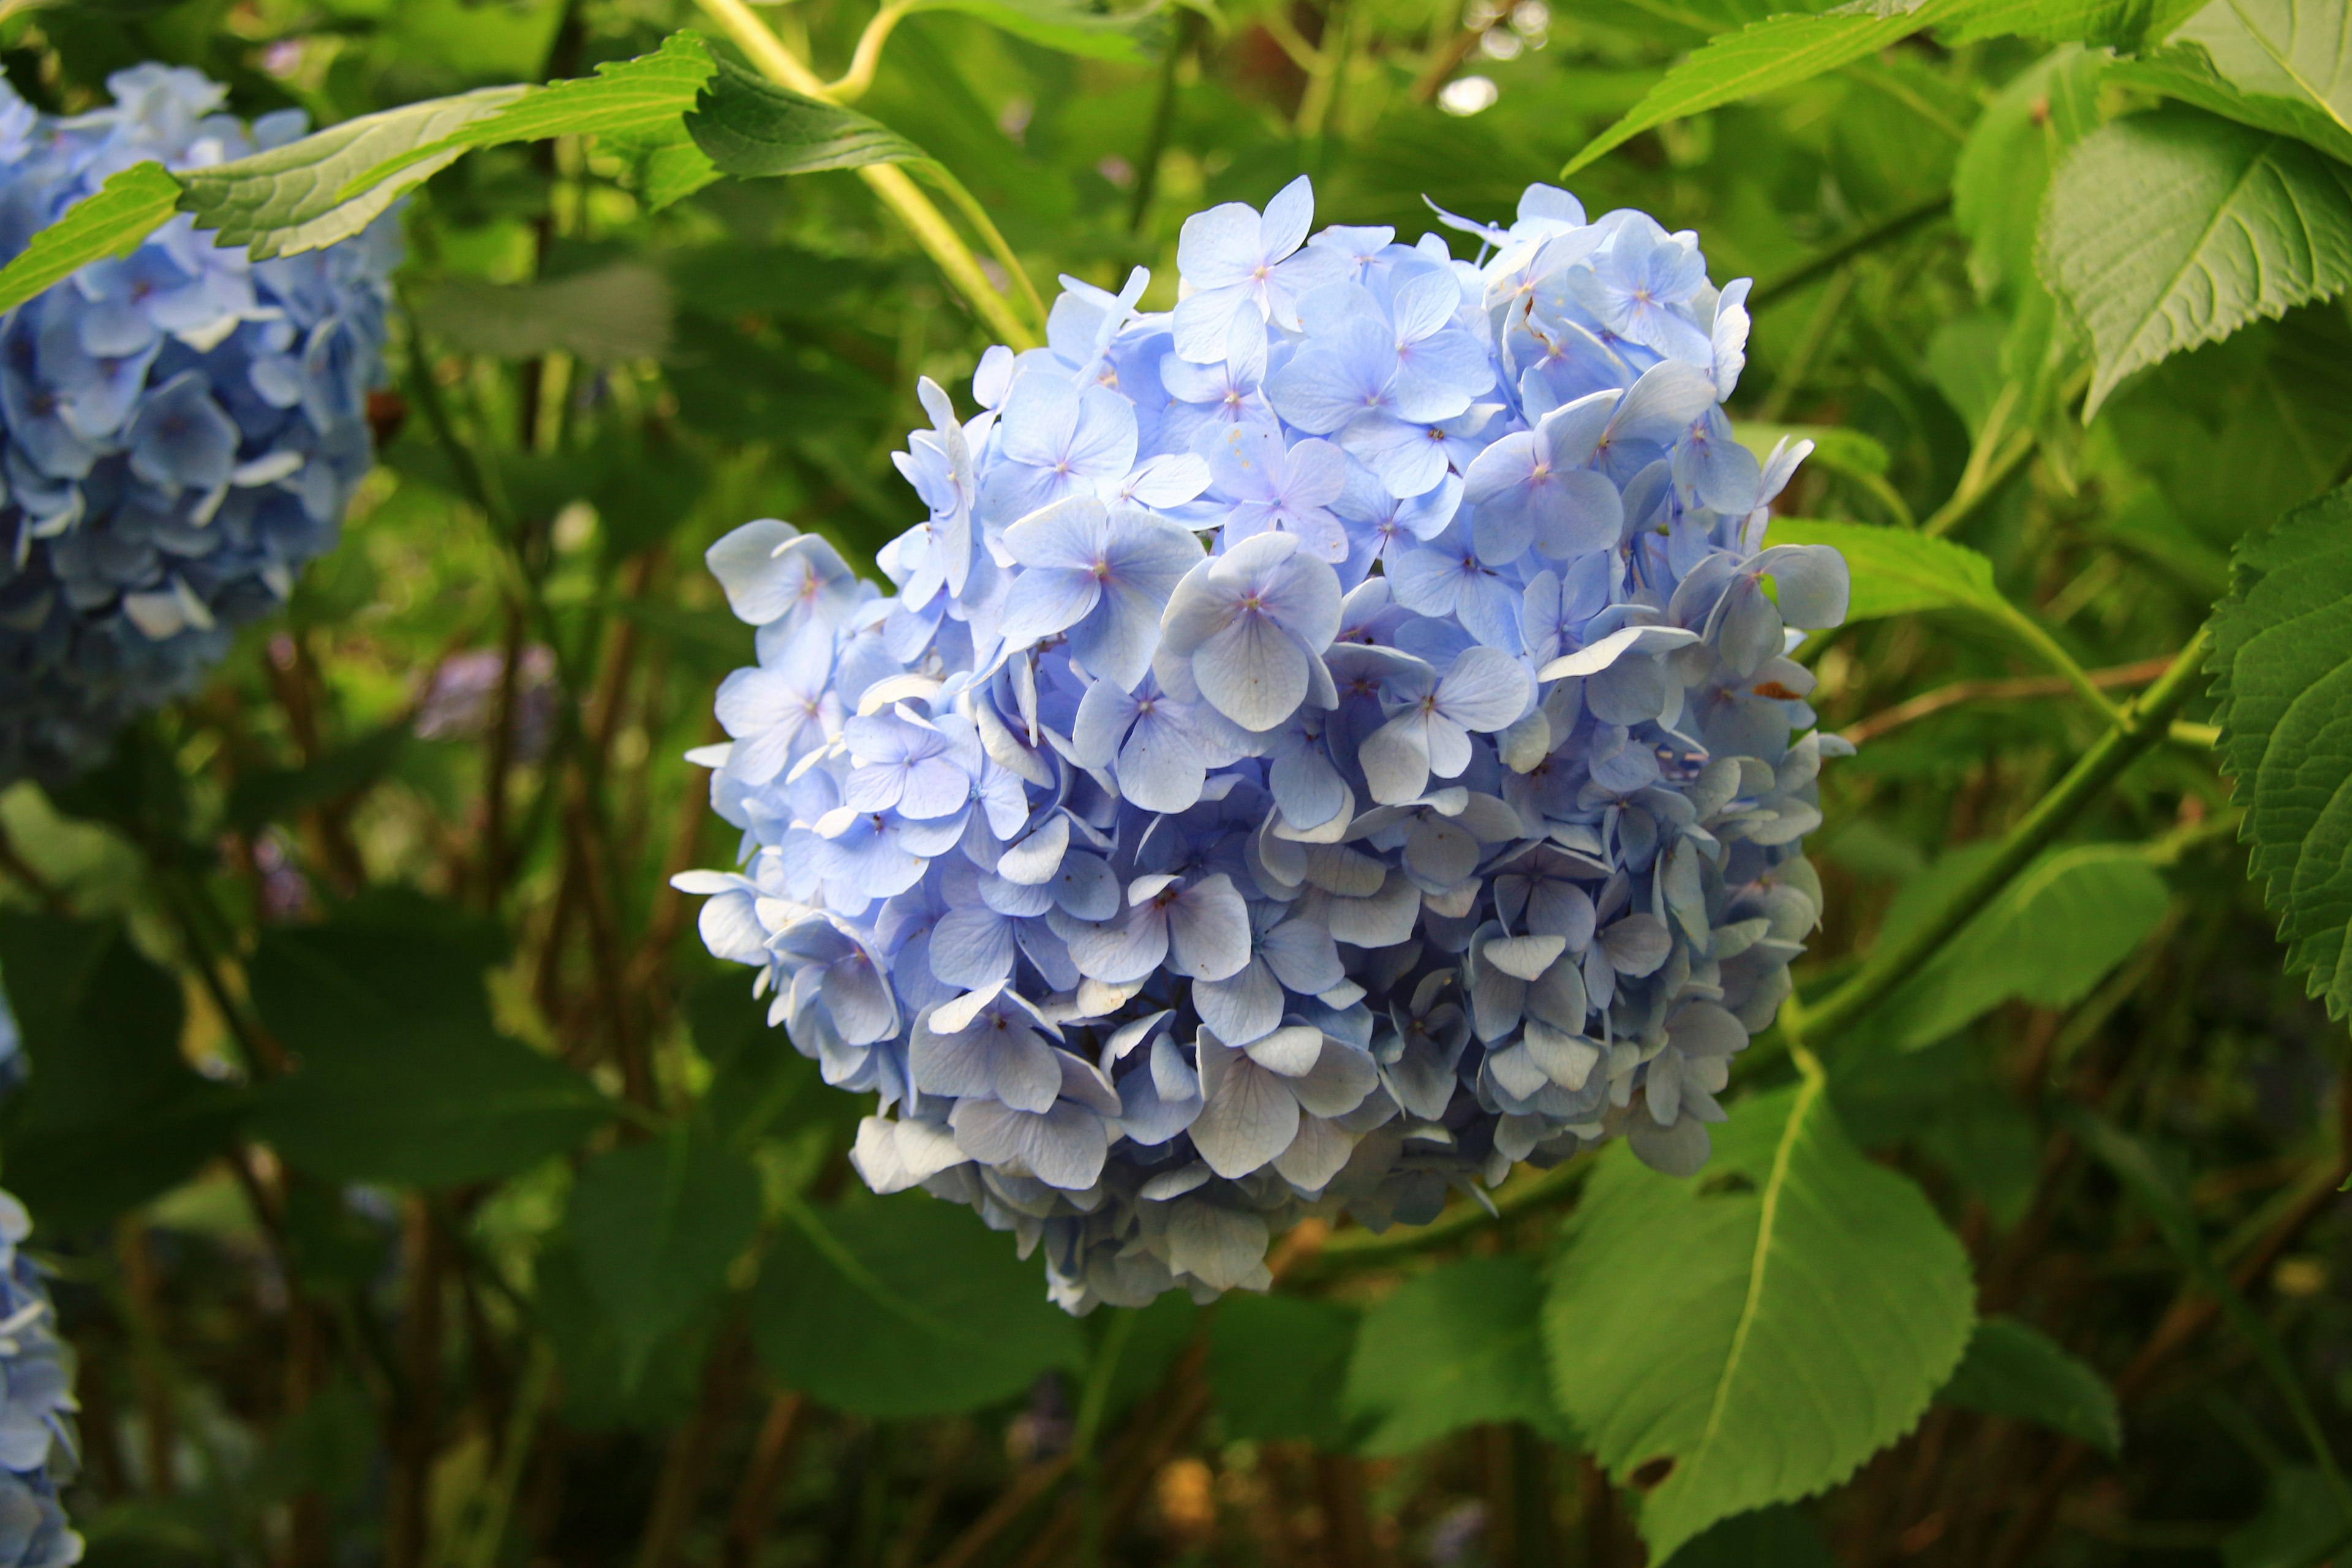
pixel 1328 743
pixel 38 1448
pixel 184 425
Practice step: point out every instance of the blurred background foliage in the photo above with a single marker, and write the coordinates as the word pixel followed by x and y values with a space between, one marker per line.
pixel 420 1303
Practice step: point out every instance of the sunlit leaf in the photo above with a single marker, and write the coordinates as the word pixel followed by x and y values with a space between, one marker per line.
pixel 1750 1335
pixel 113 220
pixel 2176 227
pixel 1896 572
pixel 751 127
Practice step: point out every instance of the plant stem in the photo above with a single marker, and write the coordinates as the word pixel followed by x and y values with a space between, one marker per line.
pixel 1529 1193
pixel 893 184
pixel 851 85
pixel 2139 726
pixel 1845 251
pixel 1086 1439
pixel 2053 654
pixel 1163 118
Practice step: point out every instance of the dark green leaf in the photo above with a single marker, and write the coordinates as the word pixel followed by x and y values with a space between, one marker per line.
pixel 2300 1524
pixel 402 1077
pixel 113 220
pixel 277 794
pixel 1781 1537
pixel 905 1306
pixel 2014 1369
pixel 1277 1364
pixel 2175 228
pixel 588 1348
pixel 616 312
pixel 112 1114
pixel 1756 1332
pixel 2282 676
pixel 750 127
pixel 657 1225
pixel 1450 1349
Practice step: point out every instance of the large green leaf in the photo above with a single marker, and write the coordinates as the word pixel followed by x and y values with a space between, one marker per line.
pixel 749 126
pixel 1896 572
pixel 1278 1364
pixel 2299 1524
pixel 1779 1537
pixel 2006 165
pixel 1453 1348
pixel 2283 674
pixel 2278 65
pixel 657 1225
pixel 2126 25
pixel 905 1306
pixel 402 1077
pixel 1750 1335
pixel 113 220
pixel 113 1114
pixel 2177 227
pixel 1765 56
pixel 2014 1369
pixel 2052 933
pixel 321 189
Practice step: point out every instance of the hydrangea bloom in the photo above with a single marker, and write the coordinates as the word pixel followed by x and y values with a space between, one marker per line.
pixel 37 1445
pixel 1328 744
pixel 182 425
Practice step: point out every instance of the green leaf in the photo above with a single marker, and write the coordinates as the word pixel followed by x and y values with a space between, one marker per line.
pixel 314 192
pixel 402 1077
pixel 2276 65
pixel 2125 24
pixel 2300 1524
pixel 1059 25
pixel 1781 1537
pixel 905 1306
pixel 636 108
pixel 1766 56
pixel 2175 228
pixel 113 220
pixel 614 313
pixel 657 1225
pixel 276 795
pixel 2282 676
pixel 750 127
pixel 596 1394
pixel 2053 932
pixel 2006 165
pixel 2014 1369
pixel 1757 1331
pixel 112 1114
pixel 1450 1349
pixel 1277 1364
pixel 1896 572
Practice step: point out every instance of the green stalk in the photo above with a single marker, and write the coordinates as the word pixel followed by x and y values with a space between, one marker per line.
pixel 1086 1439
pixel 2139 726
pixel 892 184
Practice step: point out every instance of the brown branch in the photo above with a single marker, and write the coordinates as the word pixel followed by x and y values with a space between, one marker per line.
pixel 2121 677
pixel 417 1420
pixel 687 1463
pixel 764 1473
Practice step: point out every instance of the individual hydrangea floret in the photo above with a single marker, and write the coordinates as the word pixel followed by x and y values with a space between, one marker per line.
pixel 183 425
pixel 1328 744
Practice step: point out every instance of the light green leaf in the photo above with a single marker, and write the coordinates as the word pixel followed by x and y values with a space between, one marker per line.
pixel 1277 1364
pixel 1896 572
pixel 113 220
pixel 2175 228
pixel 2006 163
pixel 1059 25
pixel 1754 1332
pixel 1450 1349
pixel 2281 65
pixel 633 107
pixel 2283 668
pixel 750 127
pixel 2125 24
pixel 657 1225
pixel 905 1306
pixel 2015 1369
pixel 1766 56
pixel 294 198
pixel 1781 1537
pixel 2050 935
pixel 614 313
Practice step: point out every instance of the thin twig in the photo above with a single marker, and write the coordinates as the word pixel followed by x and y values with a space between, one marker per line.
pixel 1888 719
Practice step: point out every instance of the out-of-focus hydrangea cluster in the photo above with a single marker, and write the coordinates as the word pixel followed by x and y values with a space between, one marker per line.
pixel 36 1405
pixel 1328 743
pixel 184 425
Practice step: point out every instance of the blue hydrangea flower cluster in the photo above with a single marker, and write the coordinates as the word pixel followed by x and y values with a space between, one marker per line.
pixel 182 425
pixel 1328 743
pixel 36 1404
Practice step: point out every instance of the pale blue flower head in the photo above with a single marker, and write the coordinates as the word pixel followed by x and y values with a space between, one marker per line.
pixel 1362 752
